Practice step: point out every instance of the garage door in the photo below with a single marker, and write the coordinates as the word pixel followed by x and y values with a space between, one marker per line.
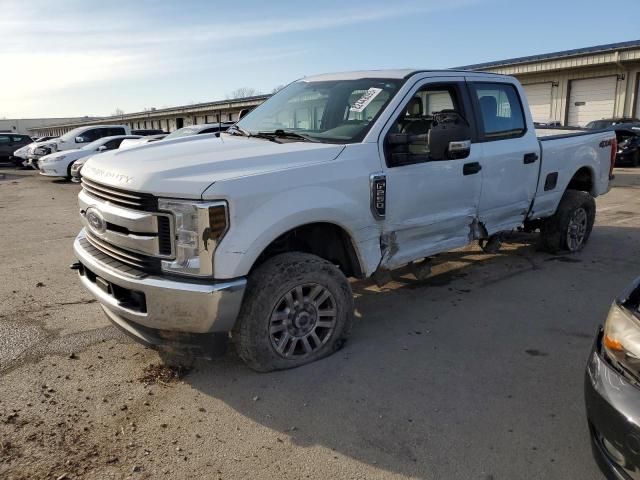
pixel 539 98
pixel 591 99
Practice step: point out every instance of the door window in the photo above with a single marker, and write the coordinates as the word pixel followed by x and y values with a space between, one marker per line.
pixel 416 120
pixel 4 139
pixel 90 135
pixel 113 144
pixel 500 110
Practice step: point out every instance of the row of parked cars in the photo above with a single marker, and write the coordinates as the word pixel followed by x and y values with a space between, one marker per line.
pixel 64 156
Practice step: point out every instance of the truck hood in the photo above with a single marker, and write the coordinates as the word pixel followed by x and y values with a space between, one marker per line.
pixel 186 167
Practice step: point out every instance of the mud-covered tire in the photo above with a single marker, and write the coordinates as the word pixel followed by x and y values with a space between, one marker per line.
pixel 267 287
pixel 555 231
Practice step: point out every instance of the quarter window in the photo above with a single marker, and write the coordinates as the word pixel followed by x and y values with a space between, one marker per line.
pixel 500 110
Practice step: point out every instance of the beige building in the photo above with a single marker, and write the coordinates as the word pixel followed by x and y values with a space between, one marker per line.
pixel 27 126
pixel 574 87
pixel 166 119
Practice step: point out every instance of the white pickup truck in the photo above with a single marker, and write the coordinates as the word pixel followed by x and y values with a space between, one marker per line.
pixel 73 139
pixel 255 233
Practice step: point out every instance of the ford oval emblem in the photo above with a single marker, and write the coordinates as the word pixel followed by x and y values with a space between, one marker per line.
pixel 96 221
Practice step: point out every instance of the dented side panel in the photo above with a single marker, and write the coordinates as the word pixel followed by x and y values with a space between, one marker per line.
pixel 432 207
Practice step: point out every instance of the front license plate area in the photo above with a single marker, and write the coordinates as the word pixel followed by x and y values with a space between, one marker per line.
pixel 104 285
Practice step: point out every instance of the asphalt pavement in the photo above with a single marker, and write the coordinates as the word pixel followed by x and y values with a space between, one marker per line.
pixel 474 373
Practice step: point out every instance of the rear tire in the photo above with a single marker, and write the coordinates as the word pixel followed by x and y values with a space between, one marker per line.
pixel 570 227
pixel 297 309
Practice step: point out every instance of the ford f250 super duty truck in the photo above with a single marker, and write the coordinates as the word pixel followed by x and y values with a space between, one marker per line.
pixel 253 235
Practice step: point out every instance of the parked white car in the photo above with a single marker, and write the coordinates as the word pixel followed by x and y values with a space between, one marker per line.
pixel 73 139
pixel 59 164
pixel 335 176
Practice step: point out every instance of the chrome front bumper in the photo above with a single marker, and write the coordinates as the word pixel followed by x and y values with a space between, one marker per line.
pixel 161 303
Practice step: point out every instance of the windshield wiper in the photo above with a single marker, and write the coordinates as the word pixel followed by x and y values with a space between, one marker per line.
pixel 287 134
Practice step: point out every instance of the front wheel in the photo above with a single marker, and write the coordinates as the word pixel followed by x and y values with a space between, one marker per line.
pixel 570 227
pixel 298 308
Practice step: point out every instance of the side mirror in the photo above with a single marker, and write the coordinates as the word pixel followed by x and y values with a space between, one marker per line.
pixel 449 136
pixel 102 148
pixel 80 140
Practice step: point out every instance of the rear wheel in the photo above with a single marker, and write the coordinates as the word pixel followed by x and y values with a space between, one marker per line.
pixel 298 308
pixel 570 227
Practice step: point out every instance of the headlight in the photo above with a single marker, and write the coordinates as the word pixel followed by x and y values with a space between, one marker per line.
pixel 199 227
pixel 621 338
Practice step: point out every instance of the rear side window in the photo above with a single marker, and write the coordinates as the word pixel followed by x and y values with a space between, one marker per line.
pixel 112 132
pixel 4 138
pixel 500 110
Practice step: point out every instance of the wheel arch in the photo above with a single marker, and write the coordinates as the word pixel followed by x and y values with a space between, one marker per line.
pixel 583 180
pixel 327 240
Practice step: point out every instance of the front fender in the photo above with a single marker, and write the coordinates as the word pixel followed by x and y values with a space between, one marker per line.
pixel 255 226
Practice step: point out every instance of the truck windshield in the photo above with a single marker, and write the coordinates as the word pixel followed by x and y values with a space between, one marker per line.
pixel 338 111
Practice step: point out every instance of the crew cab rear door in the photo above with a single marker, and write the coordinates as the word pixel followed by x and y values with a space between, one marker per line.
pixel 511 151
pixel 431 205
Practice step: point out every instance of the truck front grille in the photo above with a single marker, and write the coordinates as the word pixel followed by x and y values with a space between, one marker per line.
pixel 120 197
pixel 140 240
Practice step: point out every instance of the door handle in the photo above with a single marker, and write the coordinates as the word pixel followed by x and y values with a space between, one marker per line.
pixel 471 168
pixel 530 157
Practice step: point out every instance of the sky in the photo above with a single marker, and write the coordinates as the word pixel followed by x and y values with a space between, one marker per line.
pixel 88 57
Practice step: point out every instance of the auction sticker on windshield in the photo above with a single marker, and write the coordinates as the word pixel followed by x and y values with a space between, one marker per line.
pixel 365 100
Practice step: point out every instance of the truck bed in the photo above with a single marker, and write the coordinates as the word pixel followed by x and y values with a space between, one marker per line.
pixel 562 150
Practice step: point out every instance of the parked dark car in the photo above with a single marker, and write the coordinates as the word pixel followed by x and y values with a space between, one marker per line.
pixel 628 147
pixel 9 143
pixel 612 389
pixel 611 122
pixel 149 131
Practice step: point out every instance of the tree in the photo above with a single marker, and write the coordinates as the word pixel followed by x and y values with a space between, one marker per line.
pixel 243 92
pixel 118 112
pixel 277 89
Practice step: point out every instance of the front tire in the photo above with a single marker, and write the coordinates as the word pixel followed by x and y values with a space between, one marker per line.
pixel 297 309
pixel 570 227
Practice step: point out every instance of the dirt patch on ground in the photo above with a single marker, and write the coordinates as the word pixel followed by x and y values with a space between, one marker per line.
pixel 162 374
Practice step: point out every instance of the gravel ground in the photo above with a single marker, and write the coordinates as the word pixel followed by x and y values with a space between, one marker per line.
pixel 475 373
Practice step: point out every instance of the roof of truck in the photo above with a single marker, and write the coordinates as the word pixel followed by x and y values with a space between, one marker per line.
pixel 394 74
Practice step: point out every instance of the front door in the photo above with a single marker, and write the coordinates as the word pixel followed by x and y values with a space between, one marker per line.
pixel 5 145
pixel 431 205
pixel 510 163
